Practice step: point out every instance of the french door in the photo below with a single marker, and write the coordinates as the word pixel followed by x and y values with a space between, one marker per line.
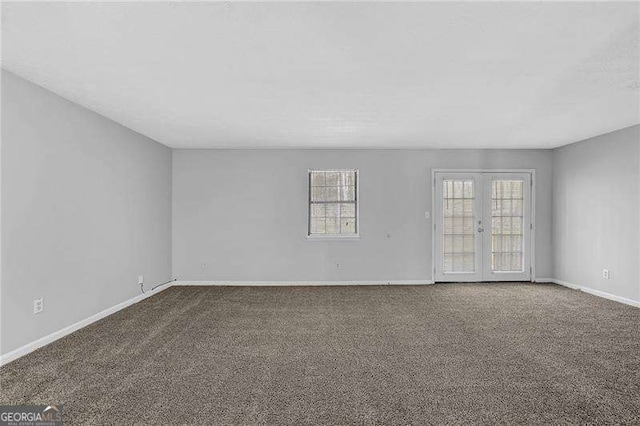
pixel 482 226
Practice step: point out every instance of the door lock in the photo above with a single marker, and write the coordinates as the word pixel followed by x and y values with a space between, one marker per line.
pixel 480 229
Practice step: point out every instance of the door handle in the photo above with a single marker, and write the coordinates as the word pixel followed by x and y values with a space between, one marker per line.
pixel 480 229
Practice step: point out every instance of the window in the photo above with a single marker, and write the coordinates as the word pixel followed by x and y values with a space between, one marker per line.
pixel 333 203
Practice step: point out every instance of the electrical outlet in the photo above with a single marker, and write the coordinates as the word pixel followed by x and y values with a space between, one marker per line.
pixel 337 265
pixel 204 266
pixel 38 305
pixel 140 279
pixel 427 215
pixel 606 274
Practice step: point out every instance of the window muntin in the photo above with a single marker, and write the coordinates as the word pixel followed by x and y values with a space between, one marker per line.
pixel 333 203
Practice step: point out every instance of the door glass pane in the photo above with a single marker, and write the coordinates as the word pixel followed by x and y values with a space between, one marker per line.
pixel 507 205
pixel 458 243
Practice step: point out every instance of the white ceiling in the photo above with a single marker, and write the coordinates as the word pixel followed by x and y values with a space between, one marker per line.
pixel 405 75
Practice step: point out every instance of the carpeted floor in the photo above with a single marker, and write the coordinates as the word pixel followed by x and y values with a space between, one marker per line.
pixel 450 353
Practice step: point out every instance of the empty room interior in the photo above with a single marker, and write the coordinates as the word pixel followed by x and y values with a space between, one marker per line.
pixel 320 213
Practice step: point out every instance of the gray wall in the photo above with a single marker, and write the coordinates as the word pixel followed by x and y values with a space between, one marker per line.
pixel 86 207
pixel 595 212
pixel 244 213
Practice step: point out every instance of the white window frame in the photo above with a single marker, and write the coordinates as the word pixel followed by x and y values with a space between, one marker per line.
pixel 333 237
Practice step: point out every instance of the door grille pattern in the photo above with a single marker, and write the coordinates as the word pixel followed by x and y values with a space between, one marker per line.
pixel 458 225
pixel 507 222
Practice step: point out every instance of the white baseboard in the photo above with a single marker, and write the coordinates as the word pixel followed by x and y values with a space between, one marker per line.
pixel 30 347
pixel 595 292
pixel 543 280
pixel 300 283
pixel 43 341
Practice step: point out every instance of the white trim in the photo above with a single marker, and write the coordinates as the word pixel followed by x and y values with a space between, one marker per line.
pixel 483 170
pixel 543 280
pixel 43 341
pixel 232 283
pixel 333 237
pixel 533 228
pixel 595 292
pixel 565 284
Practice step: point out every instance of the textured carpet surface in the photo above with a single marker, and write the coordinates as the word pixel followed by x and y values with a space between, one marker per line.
pixel 451 353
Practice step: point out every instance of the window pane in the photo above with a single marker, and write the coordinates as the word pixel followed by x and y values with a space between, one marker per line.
pixel 447 264
pixel 496 244
pixel 332 226
pixel 467 208
pixel 448 225
pixel 496 262
pixel 467 226
pixel 332 179
pixel 348 193
pixel 317 179
pixel 333 210
pixel 348 210
pixel 458 207
pixel 516 261
pixel 318 210
pixel 517 225
pixel 348 226
pixel 516 191
pixel 516 243
pixel 506 225
pixel 506 243
pixel 318 194
pixel 468 244
pixel 457 188
pixel 468 262
pixel 448 244
pixel 516 207
pixel 505 207
pixel 349 178
pixel 332 193
pixel 458 243
pixel 317 225
pixel 468 189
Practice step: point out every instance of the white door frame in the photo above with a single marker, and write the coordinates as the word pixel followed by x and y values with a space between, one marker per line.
pixel 532 249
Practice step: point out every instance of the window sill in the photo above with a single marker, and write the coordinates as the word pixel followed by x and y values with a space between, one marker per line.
pixel 333 237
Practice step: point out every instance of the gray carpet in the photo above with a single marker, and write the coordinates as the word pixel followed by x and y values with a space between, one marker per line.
pixel 463 353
